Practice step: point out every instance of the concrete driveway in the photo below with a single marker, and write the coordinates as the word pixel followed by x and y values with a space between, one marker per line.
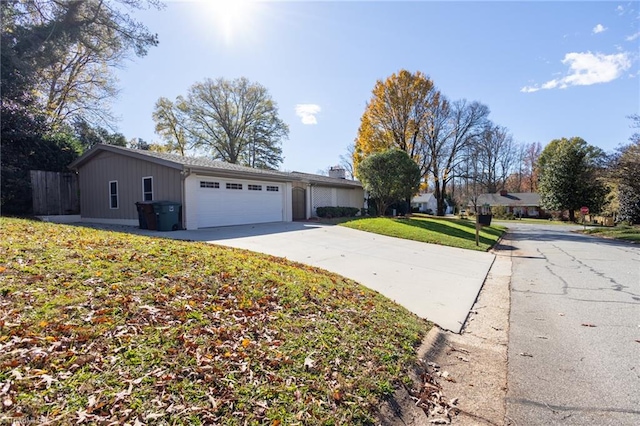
pixel 435 282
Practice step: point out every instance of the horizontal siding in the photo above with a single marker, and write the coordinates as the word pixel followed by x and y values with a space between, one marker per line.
pixel 105 167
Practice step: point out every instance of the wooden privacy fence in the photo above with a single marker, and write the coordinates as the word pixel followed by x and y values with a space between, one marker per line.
pixel 54 193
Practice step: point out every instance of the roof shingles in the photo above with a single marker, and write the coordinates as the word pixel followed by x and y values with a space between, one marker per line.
pixel 510 199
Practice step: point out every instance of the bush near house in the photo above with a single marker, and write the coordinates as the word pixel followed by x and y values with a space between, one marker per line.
pixel 329 212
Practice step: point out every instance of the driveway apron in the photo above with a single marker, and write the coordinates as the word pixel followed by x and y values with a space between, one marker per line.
pixel 435 282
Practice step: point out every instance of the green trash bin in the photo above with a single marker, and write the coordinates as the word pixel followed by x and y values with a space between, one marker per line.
pixel 167 215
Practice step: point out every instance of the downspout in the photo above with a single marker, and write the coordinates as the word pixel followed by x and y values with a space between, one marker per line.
pixel 184 174
pixel 310 186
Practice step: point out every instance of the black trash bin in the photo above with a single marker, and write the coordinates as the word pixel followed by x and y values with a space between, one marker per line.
pixel 146 215
pixel 167 215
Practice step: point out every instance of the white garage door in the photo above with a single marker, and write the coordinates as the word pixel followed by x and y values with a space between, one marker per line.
pixel 223 202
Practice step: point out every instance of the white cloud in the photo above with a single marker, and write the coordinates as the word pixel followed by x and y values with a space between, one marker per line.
pixel 585 69
pixel 620 10
pixel 633 36
pixel 599 29
pixel 308 112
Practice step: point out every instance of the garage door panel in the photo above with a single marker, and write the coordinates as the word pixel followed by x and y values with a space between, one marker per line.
pixel 219 206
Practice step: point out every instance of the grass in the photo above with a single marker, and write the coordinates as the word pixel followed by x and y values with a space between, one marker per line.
pixel 444 231
pixel 619 232
pixel 106 328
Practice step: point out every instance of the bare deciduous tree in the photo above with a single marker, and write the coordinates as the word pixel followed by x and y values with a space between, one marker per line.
pixel 235 120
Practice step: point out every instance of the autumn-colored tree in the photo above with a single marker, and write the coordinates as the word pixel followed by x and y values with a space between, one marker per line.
pixel 394 116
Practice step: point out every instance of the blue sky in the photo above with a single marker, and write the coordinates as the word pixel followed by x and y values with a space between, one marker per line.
pixel 545 69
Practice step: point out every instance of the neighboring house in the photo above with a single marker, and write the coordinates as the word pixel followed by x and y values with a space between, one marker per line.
pixel 427 202
pixel 212 193
pixel 522 204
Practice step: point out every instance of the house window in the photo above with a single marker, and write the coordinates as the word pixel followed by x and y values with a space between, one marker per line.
pixel 254 187
pixel 113 194
pixel 208 184
pixel 234 186
pixel 147 188
pixel 273 188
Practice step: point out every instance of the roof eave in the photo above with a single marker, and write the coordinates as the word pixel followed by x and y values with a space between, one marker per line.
pixel 84 158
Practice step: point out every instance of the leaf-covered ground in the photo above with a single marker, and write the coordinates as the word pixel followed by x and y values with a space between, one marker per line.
pixel 98 327
pixel 427 229
pixel 619 232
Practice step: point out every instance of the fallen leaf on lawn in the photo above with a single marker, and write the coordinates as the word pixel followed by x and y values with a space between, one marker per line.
pixel 2 269
pixel 561 314
pixel 585 324
pixel 7 385
pixel 637 341
pixel 542 337
pixel 153 416
pixel 308 363
pixel 91 401
pixel 525 354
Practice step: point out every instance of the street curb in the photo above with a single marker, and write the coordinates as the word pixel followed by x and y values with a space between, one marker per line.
pixel 431 344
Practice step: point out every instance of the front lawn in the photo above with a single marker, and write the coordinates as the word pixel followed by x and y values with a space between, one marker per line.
pixel 428 229
pixel 619 232
pixel 99 327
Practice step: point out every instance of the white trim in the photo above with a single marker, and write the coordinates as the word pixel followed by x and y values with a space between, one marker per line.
pixel 125 222
pixel 147 177
pixel 287 200
pixel 190 214
pixel 117 195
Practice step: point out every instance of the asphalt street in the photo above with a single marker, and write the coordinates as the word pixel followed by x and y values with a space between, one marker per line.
pixel 574 337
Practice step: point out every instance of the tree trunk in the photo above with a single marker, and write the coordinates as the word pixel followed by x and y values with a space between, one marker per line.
pixel 572 216
pixel 440 200
pixel 436 193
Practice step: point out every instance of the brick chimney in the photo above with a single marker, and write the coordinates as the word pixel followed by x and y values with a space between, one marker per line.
pixel 337 172
pixel 503 192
